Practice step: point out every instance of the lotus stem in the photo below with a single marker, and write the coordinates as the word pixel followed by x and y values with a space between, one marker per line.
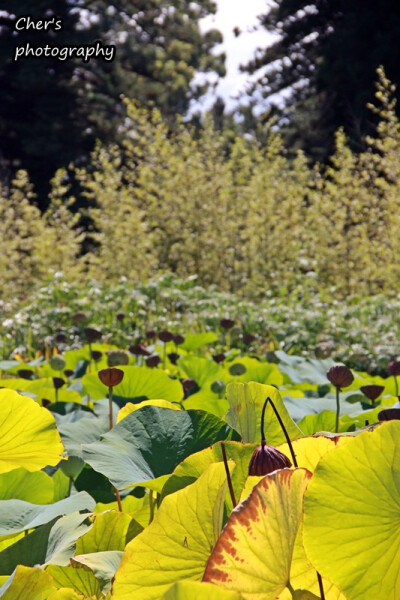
pixel 263 439
pixel 228 475
pixel 337 410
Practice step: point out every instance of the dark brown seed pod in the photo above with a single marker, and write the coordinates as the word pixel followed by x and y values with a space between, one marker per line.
pixel 178 339
pixel 372 391
pixel 218 358
pixel 393 368
pixel 91 334
pixel 139 350
pixel 58 382
pixel 340 376
pixel 174 357
pixel 266 459
pixel 79 317
pixel 96 355
pixel 68 372
pixel 60 338
pixel 120 316
pixel 165 336
pixel 389 414
pixel 110 377
pixel 188 384
pixel 150 334
pixel 152 361
pixel 226 323
pixel 25 373
pixel 249 338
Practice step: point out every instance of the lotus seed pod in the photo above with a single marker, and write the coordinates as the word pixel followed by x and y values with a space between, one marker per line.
pixel 116 358
pixel 152 361
pixel 120 316
pixel 174 357
pixel 68 372
pixel 58 382
pixel 249 338
pixel 188 385
pixel 110 377
pixel 139 350
pixel 218 387
pixel 150 334
pixel 218 358
pixel 393 367
pixel 266 459
pixel 79 317
pixel 96 355
pixel 25 373
pixel 91 334
pixel 72 466
pixel 57 362
pixel 226 323
pixel 237 369
pixel 178 339
pixel 165 336
pixel 372 391
pixel 340 376
pixel 60 338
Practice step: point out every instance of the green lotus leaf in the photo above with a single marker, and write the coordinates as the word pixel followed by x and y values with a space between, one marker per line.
pixel 194 341
pixel 21 484
pixel 260 372
pixel 194 465
pixel 86 430
pixel 322 421
pixel 64 593
pixel 199 369
pixel 176 545
pixel 108 533
pixel 149 443
pixel 81 579
pixel 246 401
pixel 352 515
pixel 206 400
pixel 102 564
pixel 27 582
pixel 19 515
pixel 28 434
pixel 253 555
pixel 138 384
pixel 53 542
pixel 196 590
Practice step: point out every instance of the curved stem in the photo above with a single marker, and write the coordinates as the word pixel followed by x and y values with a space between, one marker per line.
pixel 118 500
pixel 321 586
pixel 396 385
pixel 263 439
pixel 337 410
pixel 290 588
pixel 110 407
pixel 151 503
pixel 228 475
pixel 289 442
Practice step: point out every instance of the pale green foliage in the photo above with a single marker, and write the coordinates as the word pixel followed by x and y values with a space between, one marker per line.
pixel 246 218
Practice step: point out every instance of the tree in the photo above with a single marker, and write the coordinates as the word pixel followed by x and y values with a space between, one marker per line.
pixel 325 59
pixel 52 111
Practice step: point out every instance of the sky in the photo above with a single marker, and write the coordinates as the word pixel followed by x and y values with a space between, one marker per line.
pixel 239 50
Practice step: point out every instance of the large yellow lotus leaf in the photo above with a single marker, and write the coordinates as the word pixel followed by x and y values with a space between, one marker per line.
pixel 195 464
pixel 352 515
pixel 137 508
pixel 108 533
pixel 253 555
pixel 65 594
pixel 246 401
pixel 310 450
pixel 196 590
pixel 27 582
pixel 21 484
pixel 80 579
pixel 177 544
pixel 28 434
pixel 130 407
pixel 303 576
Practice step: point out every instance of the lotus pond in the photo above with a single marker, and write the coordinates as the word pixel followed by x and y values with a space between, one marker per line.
pixel 125 474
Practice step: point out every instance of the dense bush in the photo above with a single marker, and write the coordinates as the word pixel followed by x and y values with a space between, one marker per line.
pixel 244 216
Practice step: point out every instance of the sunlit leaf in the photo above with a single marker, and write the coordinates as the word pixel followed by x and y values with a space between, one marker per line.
pixel 27 582
pixel 352 515
pixel 195 590
pixel 176 545
pixel 138 384
pixel 130 408
pixel 254 552
pixel 246 401
pixel 108 533
pixel 28 434
pixel 21 484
